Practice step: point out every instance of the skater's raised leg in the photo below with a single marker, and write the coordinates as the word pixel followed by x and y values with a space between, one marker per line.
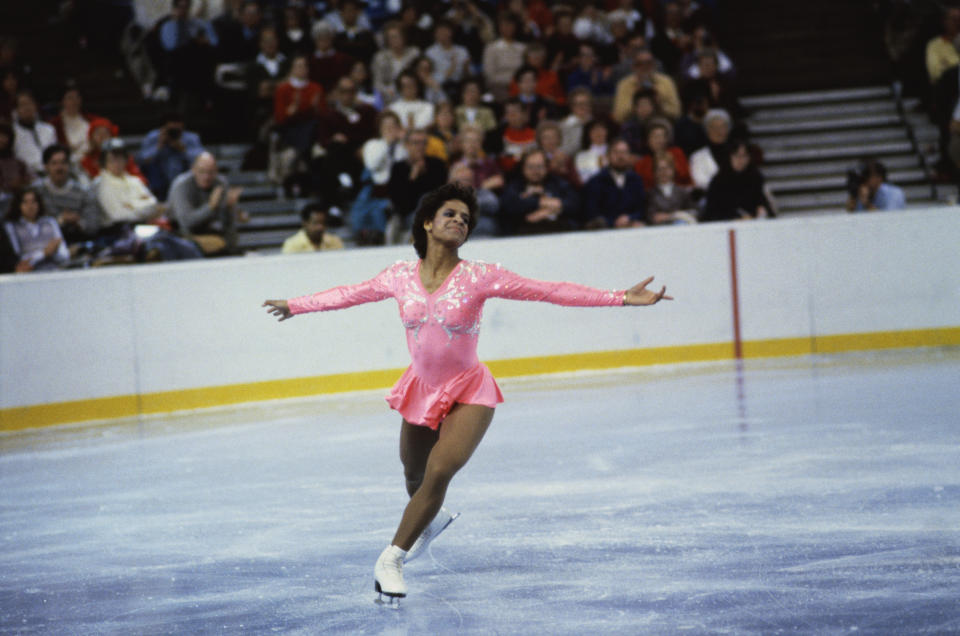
pixel 416 442
pixel 460 434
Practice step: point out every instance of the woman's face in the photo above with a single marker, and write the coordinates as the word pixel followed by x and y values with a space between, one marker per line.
pixel 115 164
pixel 424 68
pixel 644 108
pixel 657 140
pixel 507 29
pixel 395 39
pixel 100 134
pixel 664 173
pixel 528 84
pixel 740 158
pixel 359 74
pixel 717 131
pixel 299 69
pixel 550 139
pixel 451 223
pixel 708 67
pixel 268 43
pixel 537 57
pixel 471 143
pixel 71 102
pixel 10 83
pixel 390 129
pixel 408 88
pixel 29 206
pixel 598 135
pixel 471 94
pixel 445 118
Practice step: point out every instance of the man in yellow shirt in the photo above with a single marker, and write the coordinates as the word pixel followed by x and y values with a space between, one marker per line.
pixel 313 236
pixel 941 52
pixel 645 74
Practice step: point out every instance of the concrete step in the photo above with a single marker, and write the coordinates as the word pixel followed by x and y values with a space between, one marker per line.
pixel 263 238
pixel 266 221
pixel 826 168
pixel 839 181
pixel 838 198
pixel 255 192
pixel 828 110
pixel 275 206
pixel 815 97
pixel 228 151
pixel 229 164
pixel 769 127
pixel 873 135
pixel 848 151
pixel 250 178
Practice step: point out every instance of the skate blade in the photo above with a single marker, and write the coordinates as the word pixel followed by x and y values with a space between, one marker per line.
pixel 392 597
pixel 392 602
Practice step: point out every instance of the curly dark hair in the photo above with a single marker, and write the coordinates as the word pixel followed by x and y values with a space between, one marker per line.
pixel 431 202
pixel 14 213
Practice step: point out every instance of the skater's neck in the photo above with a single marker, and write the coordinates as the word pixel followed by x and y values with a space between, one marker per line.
pixel 440 259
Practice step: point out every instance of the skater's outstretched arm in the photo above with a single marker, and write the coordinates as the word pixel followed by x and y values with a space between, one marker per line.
pixel 373 290
pixel 503 283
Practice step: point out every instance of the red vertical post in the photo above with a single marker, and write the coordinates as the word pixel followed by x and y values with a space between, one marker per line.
pixel 735 295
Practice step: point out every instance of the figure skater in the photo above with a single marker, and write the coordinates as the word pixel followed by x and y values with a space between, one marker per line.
pixel 446 396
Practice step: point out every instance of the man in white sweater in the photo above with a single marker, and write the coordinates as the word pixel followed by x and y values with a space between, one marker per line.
pixel 31 136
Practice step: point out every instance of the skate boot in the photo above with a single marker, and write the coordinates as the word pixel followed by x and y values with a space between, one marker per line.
pixel 388 575
pixel 438 525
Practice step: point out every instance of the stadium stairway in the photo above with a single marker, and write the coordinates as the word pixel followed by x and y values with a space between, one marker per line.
pixel 273 218
pixel 809 140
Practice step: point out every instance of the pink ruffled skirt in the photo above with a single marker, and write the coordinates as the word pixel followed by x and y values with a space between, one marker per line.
pixel 425 405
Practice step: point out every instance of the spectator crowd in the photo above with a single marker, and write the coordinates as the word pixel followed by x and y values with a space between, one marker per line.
pixel 562 115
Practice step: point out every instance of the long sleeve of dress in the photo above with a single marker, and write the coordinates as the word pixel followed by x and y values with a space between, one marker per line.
pixel 515 287
pixel 378 288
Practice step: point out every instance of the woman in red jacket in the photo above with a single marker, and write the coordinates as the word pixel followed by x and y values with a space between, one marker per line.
pixel 659 142
pixel 297 104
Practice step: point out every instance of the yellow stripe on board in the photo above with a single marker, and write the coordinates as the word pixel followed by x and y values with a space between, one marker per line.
pixel 35 416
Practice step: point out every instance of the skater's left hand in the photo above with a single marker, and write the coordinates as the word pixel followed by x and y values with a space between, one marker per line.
pixel 278 308
pixel 640 295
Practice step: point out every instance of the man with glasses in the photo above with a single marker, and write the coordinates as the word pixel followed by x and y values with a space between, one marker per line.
pixel 645 74
pixel 342 130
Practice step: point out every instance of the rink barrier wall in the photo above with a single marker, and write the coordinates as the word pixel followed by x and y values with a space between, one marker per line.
pixel 105 344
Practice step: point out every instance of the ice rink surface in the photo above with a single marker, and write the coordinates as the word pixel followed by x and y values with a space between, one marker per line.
pixel 814 495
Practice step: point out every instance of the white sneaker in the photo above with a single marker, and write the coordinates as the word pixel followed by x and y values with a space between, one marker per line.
pixel 388 573
pixel 438 525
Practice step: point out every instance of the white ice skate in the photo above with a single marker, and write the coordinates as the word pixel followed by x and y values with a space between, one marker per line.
pixel 438 525
pixel 388 575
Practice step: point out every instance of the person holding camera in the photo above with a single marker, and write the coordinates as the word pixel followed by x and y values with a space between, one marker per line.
pixel 869 190
pixel 167 152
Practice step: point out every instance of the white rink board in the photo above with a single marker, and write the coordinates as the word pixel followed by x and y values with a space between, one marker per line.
pixel 81 335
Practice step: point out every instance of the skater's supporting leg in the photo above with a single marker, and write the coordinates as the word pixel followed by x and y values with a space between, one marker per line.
pixel 415 445
pixel 460 434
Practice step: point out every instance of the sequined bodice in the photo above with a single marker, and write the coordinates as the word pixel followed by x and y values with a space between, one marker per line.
pixel 443 327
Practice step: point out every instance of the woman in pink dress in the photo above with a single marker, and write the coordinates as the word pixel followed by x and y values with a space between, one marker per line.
pixel 446 396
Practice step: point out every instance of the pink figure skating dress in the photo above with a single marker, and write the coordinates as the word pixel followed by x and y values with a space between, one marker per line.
pixel 443 327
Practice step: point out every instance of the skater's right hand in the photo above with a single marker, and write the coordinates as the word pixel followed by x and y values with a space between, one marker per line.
pixel 278 308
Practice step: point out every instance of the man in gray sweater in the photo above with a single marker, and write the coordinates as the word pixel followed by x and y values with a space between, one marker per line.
pixel 74 206
pixel 205 207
